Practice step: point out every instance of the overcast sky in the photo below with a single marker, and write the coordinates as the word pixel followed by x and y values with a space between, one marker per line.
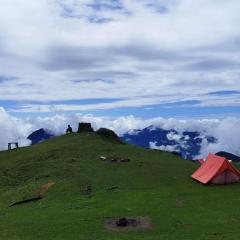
pixel 115 57
pixel 128 63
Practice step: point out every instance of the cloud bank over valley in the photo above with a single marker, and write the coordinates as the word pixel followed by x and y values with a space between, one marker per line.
pixel 226 131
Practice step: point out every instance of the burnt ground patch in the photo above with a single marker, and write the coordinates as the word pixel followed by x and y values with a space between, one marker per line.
pixel 127 223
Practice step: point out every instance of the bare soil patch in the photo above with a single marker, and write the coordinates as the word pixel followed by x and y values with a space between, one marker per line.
pixel 43 189
pixel 179 202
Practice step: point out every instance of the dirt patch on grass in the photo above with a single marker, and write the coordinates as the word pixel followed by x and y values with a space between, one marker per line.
pixel 127 223
pixel 179 202
pixel 43 189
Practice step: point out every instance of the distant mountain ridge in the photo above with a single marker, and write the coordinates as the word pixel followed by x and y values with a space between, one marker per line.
pixel 187 143
pixel 40 135
pixel 229 156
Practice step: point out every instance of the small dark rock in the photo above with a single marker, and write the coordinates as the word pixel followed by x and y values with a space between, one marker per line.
pixel 73 160
pixel 87 190
pixel 114 160
pixel 112 188
pixel 125 160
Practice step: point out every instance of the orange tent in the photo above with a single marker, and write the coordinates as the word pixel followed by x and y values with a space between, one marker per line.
pixel 216 170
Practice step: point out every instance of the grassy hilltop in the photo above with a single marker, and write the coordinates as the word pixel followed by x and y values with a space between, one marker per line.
pixel 153 184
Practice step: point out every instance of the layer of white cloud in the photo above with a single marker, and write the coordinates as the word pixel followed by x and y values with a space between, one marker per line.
pixel 208 101
pixel 168 148
pixel 226 131
pixel 13 130
pixel 68 49
pixel 173 136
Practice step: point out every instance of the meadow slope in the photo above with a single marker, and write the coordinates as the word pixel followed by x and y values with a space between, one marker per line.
pixel 155 184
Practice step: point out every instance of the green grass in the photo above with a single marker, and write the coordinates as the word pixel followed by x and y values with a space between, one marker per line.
pixel 154 184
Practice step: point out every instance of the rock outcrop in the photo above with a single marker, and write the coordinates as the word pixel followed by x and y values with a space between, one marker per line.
pixel 85 127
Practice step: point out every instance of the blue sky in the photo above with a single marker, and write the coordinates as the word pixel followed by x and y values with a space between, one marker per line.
pixel 169 58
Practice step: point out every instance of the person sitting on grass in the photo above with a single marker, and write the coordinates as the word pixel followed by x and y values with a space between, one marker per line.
pixel 69 129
